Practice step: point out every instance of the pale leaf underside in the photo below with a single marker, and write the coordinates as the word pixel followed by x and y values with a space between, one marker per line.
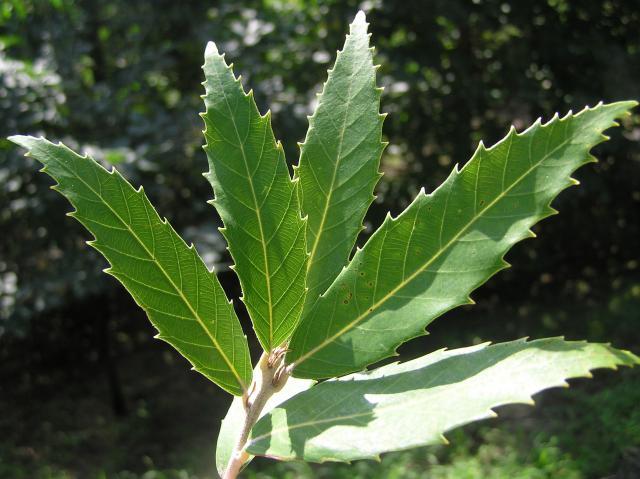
pixel 444 245
pixel 412 404
pixel 167 278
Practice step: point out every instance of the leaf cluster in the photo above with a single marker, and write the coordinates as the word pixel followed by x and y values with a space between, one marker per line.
pixel 318 309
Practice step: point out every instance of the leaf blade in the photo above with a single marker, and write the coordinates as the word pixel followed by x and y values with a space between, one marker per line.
pixel 339 159
pixel 413 404
pixel 165 276
pixel 448 243
pixel 257 201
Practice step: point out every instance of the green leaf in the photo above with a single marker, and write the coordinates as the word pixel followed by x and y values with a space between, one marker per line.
pixel 257 201
pixel 444 245
pixel 412 404
pixel 232 423
pixel 167 278
pixel 339 160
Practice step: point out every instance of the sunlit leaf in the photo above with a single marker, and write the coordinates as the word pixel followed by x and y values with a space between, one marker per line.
pixel 339 160
pixel 413 404
pixel 445 244
pixel 257 201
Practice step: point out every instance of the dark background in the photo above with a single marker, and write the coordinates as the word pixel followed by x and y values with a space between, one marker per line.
pixel 84 389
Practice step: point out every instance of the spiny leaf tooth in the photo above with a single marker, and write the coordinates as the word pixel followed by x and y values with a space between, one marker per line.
pixel 554 118
pixel 489 414
pixel 480 149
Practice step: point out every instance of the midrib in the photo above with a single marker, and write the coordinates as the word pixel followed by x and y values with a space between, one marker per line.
pixel 410 278
pixel 161 268
pixel 311 259
pixel 257 210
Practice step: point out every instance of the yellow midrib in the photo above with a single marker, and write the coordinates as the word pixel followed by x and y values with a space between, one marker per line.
pixel 161 268
pixel 404 282
pixel 257 210
pixel 311 260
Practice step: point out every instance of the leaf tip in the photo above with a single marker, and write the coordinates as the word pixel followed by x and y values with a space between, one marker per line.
pixel 211 49
pixel 360 18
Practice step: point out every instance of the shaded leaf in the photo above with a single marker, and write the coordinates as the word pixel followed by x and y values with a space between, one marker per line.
pixel 413 404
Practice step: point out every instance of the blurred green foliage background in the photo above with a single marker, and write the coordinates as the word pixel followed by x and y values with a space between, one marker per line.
pixel 84 390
